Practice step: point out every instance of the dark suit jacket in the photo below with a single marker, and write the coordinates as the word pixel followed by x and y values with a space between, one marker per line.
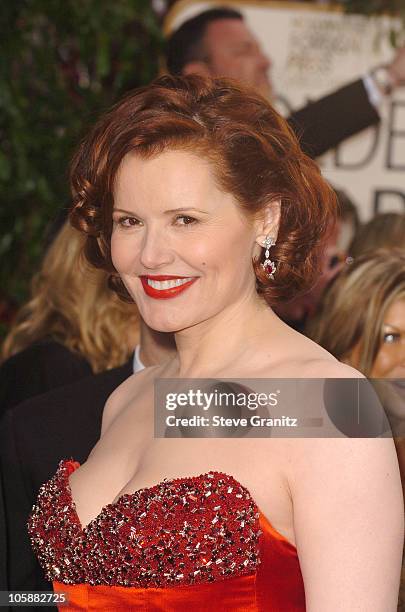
pixel 34 437
pixel 43 366
pixel 3 541
pixel 325 123
pixel 37 369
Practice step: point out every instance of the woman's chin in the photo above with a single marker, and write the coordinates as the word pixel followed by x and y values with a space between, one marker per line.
pixel 160 324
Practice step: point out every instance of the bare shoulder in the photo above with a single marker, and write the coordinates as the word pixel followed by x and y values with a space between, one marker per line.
pixel 343 468
pixel 348 521
pixel 341 456
pixel 304 358
pixel 314 459
pixel 127 392
pixel 328 368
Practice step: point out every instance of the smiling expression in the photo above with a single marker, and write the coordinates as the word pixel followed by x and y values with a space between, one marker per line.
pixel 182 247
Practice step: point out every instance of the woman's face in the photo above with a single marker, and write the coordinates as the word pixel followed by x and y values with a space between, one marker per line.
pixel 182 247
pixel 390 360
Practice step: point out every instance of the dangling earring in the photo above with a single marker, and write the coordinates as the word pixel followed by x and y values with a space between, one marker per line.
pixel 268 265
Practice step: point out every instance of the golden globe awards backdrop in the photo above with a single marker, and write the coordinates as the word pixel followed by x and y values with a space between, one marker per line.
pixel 314 50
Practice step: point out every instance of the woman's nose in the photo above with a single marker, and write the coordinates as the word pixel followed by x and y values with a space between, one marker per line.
pixel 155 251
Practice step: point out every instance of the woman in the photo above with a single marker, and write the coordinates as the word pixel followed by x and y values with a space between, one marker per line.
pixel 72 326
pixel 354 320
pixel 183 188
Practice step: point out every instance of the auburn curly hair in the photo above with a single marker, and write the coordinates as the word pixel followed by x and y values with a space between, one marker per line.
pixel 254 154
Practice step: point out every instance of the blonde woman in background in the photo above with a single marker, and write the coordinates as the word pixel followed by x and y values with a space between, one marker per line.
pixel 71 327
pixel 361 319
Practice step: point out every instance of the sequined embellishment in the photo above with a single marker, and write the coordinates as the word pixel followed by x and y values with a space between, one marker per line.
pixel 183 531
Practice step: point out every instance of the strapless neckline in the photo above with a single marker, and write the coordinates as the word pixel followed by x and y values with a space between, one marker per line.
pixel 68 466
pixel 187 540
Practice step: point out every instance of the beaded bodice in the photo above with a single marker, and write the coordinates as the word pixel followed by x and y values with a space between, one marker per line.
pixel 185 531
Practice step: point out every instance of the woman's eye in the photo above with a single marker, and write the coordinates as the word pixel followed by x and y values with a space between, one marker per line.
pixel 127 221
pixel 391 337
pixel 185 220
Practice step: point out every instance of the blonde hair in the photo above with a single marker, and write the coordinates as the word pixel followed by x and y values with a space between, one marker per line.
pixel 386 230
pixel 72 304
pixel 353 308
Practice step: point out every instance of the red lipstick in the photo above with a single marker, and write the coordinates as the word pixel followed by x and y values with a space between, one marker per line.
pixel 164 294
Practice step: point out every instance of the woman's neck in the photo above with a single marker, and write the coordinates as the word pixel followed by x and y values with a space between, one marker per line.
pixel 222 340
pixel 155 347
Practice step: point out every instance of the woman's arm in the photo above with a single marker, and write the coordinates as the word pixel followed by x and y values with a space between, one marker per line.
pixel 348 521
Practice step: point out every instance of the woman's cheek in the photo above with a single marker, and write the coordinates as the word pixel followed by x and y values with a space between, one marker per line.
pixel 385 361
pixel 120 254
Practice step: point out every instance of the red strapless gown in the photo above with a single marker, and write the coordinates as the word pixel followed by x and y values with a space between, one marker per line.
pixel 187 544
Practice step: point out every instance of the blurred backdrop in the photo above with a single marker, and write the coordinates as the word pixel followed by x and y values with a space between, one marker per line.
pixel 63 61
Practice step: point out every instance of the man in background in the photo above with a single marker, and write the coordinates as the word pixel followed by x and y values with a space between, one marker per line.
pixel 218 43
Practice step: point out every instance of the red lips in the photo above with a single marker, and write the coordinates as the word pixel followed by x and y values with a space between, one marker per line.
pixel 164 294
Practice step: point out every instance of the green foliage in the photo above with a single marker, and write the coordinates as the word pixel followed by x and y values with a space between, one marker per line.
pixel 374 7
pixel 63 61
pixel 394 8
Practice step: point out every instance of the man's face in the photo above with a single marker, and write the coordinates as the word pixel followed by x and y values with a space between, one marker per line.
pixel 234 52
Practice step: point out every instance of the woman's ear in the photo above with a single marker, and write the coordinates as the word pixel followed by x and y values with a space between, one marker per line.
pixel 269 222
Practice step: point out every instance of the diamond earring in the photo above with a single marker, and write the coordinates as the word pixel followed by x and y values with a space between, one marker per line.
pixel 268 265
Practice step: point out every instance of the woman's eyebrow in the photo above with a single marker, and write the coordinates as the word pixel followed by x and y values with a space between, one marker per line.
pixel 128 212
pixel 186 209
pixel 394 327
pixel 166 212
